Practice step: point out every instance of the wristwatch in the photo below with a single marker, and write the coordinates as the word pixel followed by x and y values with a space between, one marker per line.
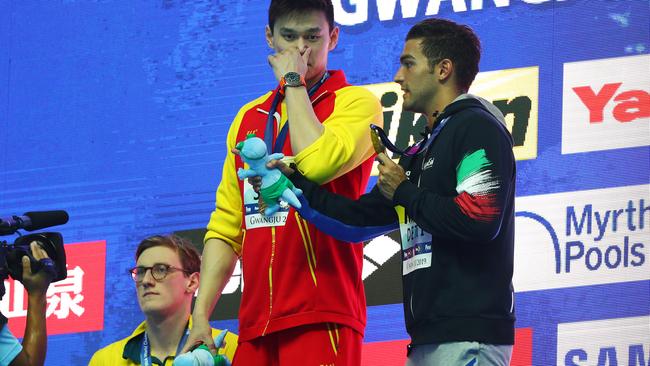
pixel 291 79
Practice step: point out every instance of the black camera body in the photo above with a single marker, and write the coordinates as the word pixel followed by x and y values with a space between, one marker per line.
pixel 11 255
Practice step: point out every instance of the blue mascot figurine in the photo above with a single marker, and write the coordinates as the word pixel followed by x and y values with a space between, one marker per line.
pixel 201 356
pixel 274 184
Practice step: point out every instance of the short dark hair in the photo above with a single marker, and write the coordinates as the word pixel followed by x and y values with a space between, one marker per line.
pixel 442 39
pixel 189 256
pixel 280 8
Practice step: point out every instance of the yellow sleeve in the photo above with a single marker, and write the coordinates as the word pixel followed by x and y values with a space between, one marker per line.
pixel 110 355
pixel 95 361
pixel 226 219
pixel 345 142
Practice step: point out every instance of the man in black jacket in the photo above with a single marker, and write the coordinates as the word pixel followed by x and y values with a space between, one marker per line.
pixel 451 196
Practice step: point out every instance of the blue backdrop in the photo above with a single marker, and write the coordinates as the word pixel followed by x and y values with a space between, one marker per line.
pixel 117 111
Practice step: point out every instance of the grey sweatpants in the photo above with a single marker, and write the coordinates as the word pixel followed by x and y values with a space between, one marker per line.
pixel 460 354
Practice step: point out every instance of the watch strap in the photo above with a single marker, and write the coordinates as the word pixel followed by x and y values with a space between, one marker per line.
pixel 284 83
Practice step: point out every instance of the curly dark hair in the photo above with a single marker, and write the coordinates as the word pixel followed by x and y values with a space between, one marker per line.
pixel 444 39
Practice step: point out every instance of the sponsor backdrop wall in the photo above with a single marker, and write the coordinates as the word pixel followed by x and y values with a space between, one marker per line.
pixel 117 111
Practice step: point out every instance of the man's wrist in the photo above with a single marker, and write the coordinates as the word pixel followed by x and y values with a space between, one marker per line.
pixel 37 295
pixel 200 316
pixel 292 79
pixel 404 192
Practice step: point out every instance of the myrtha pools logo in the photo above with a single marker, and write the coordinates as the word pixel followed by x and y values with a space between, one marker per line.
pixel 582 238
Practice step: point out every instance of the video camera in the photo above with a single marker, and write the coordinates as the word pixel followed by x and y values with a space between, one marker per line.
pixel 11 254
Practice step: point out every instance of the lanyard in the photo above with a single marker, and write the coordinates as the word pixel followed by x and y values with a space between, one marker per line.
pixel 145 354
pixel 282 134
pixel 422 146
pixel 434 134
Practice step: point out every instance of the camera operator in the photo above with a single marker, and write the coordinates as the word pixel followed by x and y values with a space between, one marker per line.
pixel 32 350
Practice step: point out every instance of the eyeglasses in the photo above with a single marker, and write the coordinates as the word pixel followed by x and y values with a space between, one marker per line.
pixel 158 271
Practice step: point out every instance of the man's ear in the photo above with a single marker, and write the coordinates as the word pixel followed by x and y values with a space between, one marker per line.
pixel 193 282
pixel 334 38
pixel 269 36
pixel 444 70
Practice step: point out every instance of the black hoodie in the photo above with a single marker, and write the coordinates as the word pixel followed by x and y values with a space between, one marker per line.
pixel 456 217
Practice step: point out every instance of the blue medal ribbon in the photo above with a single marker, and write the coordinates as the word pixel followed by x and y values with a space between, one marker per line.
pixel 422 146
pixel 145 353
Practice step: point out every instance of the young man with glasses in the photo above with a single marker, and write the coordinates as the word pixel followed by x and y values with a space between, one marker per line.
pixel 166 276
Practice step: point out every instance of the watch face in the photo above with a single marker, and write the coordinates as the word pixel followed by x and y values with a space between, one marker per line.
pixel 292 79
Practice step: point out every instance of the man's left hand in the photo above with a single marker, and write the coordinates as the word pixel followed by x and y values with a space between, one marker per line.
pixel 35 283
pixel 390 177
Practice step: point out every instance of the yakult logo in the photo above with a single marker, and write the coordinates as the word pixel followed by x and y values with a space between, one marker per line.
pixel 582 238
pixel 606 104
pixel 624 341
pixel 628 105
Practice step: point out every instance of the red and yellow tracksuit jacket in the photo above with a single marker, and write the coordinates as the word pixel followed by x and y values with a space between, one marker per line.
pixel 294 274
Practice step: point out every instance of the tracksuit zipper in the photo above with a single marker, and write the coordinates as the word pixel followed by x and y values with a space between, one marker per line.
pixel 270 279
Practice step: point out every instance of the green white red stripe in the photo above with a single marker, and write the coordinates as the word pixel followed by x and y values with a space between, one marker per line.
pixel 476 187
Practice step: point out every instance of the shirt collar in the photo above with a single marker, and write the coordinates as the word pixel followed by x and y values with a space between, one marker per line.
pixel 133 346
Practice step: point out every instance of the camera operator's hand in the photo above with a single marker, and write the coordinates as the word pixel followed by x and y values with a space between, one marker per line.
pixel 35 339
pixel 35 283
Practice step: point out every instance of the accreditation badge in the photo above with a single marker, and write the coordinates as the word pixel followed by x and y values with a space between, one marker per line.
pixel 252 216
pixel 416 244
